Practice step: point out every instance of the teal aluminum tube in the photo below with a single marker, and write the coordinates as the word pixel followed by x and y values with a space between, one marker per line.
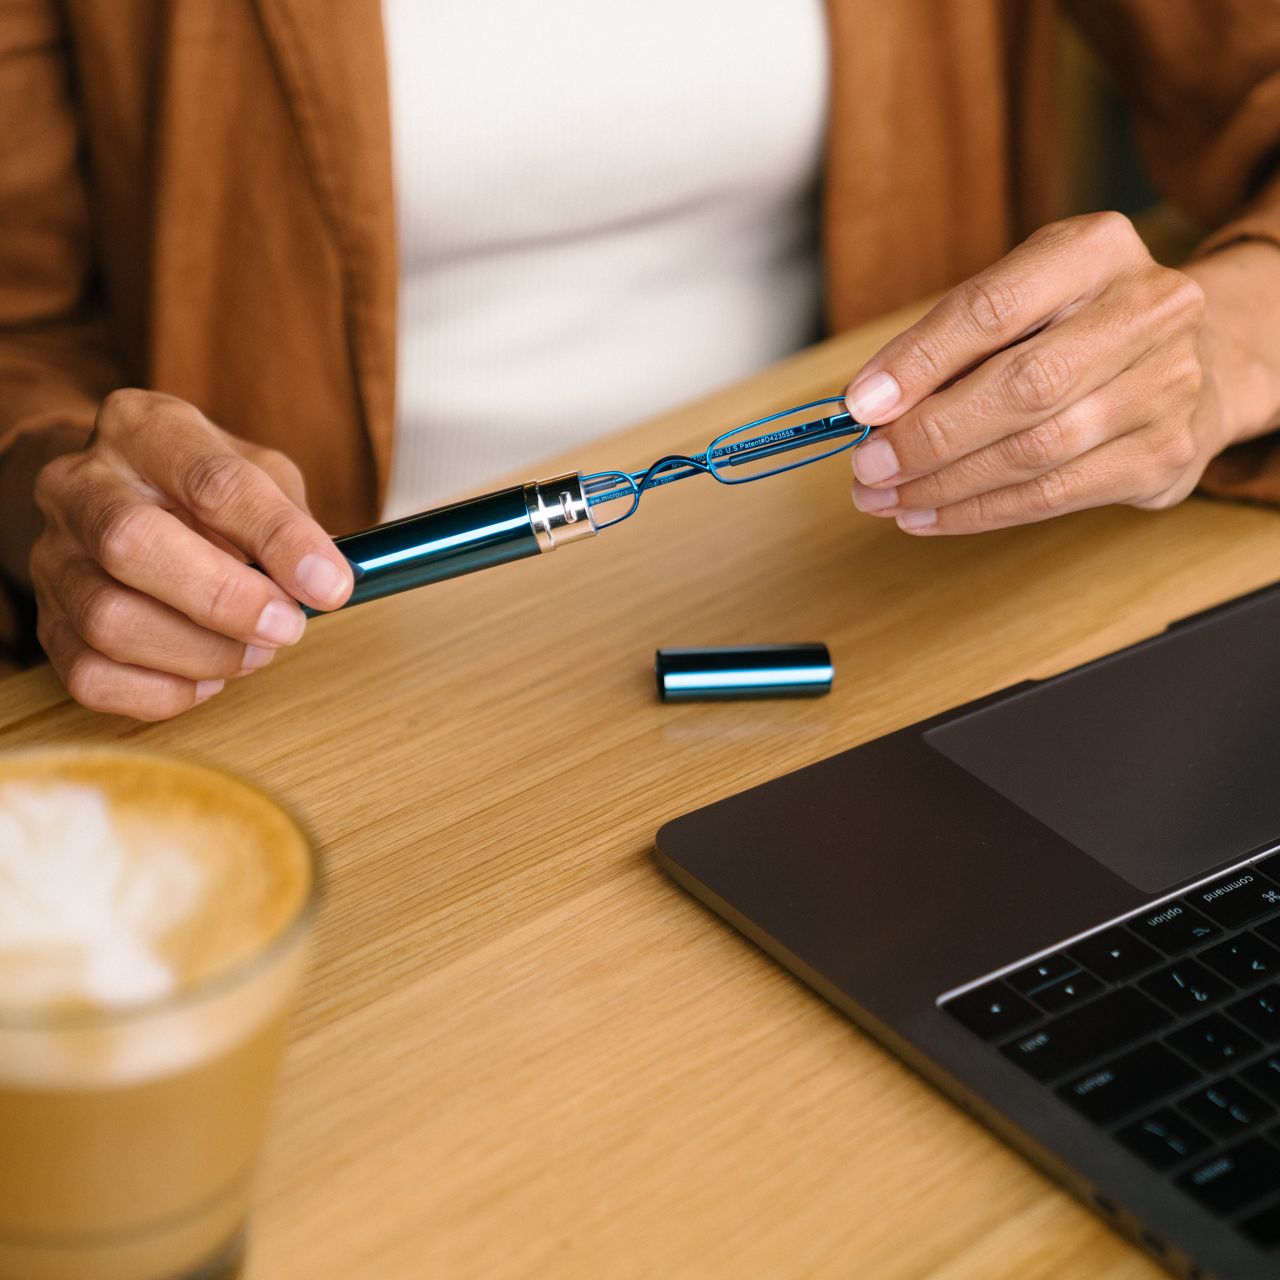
pixel 743 671
pixel 465 537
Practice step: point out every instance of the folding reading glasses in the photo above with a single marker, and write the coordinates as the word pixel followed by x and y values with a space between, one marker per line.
pixel 532 518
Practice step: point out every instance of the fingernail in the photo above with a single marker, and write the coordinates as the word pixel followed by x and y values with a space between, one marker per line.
pixel 873 398
pixel 205 689
pixel 280 623
pixel 321 579
pixel 921 519
pixel 875 461
pixel 254 657
pixel 872 500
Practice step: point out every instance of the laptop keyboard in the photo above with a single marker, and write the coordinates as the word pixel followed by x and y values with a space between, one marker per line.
pixel 1164 1031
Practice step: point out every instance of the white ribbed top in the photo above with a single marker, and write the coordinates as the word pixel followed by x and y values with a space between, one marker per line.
pixel 604 209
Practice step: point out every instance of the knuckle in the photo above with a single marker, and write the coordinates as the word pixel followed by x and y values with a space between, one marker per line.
pixel 1192 373
pixel 926 359
pixel 101 616
pixel 1110 227
pixel 1179 450
pixel 85 676
pixel 287 472
pixel 992 303
pixel 1183 296
pixel 1038 448
pixel 984 511
pixel 122 535
pixel 127 416
pixel 278 463
pixel 1186 454
pixel 934 437
pixel 96 683
pixel 1191 296
pixel 226 601
pixel 1184 376
pixel 1156 499
pixel 1039 379
pixel 1048 492
pixel 120 408
pixel 1050 231
pixel 279 530
pixel 213 480
pixel 39 559
pixel 50 483
pixel 927 491
pixel 46 632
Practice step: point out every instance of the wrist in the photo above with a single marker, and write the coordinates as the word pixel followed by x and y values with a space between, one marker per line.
pixel 1240 335
pixel 19 465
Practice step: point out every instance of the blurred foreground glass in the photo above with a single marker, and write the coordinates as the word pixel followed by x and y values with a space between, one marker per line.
pixel 151 936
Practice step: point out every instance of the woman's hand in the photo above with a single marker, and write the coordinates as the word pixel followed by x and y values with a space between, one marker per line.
pixel 1070 374
pixel 145 603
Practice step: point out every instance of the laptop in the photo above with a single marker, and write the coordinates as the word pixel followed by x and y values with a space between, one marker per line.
pixel 1060 904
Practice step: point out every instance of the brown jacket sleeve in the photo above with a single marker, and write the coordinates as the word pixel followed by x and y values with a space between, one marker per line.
pixel 54 362
pixel 1203 78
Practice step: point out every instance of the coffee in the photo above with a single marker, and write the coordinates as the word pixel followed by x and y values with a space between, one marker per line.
pixel 152 916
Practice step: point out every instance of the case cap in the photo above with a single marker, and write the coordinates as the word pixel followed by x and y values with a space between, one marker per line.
pixel 743 671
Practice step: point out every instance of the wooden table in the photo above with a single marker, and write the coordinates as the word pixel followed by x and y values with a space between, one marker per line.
pixel 521 1050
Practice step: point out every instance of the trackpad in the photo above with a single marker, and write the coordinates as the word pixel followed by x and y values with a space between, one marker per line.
pixel 1161 763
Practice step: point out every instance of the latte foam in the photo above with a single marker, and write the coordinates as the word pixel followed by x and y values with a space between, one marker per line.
pixel 125 878
pixel 81 912
pixel 150 915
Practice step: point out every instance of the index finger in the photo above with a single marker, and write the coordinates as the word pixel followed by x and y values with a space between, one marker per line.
pixel 151 550
pixel 1002 305
pixel 195 466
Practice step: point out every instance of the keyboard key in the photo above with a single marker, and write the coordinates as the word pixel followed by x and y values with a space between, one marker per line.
pixel 1214 1042
pixel 1185 987
pixel 1067 992
pixel 1227 1108
pixel 1082 1036
pixel 1269 866
pixel 1260 1013
pixel 1138 1080
pixel 1163 1139
pixel 1114 954
pixel 993 1011
pixel 1264 1077
pixel 1264 1228
pixel 1174 928
pixel 1238 898
pixel 1236 1178
pixel 1245 960
pixel 1050 969
pixel 1270 929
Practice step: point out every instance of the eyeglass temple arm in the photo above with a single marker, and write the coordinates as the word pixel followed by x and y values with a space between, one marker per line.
pixel 832 427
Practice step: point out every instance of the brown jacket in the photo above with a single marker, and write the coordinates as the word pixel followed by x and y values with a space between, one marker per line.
pixel 196 196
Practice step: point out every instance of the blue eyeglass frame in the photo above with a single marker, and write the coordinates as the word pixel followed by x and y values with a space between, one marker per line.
pixel 730 450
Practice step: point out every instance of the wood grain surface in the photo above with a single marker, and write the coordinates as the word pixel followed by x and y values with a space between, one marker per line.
pixel 521 1051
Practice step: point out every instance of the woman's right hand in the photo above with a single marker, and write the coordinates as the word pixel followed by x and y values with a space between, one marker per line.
pixel 146 604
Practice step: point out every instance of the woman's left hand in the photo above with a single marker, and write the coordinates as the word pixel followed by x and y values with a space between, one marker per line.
pixel 1070 374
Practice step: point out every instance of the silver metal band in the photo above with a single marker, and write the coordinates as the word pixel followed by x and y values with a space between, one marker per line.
pixel 558 511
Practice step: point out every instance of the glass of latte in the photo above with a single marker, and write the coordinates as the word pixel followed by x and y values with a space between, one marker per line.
pixel 153 915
